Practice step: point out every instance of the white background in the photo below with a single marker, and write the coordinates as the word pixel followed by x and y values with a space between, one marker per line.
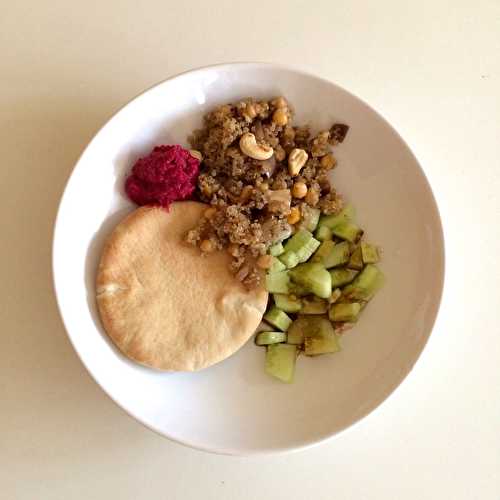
pixel 431 67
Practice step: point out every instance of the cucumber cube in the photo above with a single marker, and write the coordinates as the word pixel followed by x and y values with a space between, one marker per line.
pixel 345 312
pixel 330 221
pixel 314 277
pixel 342 276
pixel 348 231
pixel 295 334
pixel 366 283
pixel 323 233
pixel 310 218
pixel 267 338
pixel 276 266
pixel 308 326
pixel 298 290
pixel 287 303
pixel 289 259
pixel 303 244
pixel 278 282
pixel 319 336
pixel 356 260
pixel 276 250
pixel 331 254
pixel 280 361
pixel 314 307
pixel 298 240
pixel 304 254
pixel 369 253
pixel 276 317
pixel 313 346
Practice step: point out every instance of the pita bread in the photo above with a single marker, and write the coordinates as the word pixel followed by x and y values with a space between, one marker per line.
pixel 162 303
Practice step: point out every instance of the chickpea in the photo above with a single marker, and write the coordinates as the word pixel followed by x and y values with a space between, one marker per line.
pixel 207 246
pixel 280 117
pixel 206 190
pixel 294 216
pixel 279 102
pixel 279 153
pixel 265 261
pixel 299 190
pixel 312 197
pixel 328 161
pixel 288 134
pixel 264 186
pixel 250 112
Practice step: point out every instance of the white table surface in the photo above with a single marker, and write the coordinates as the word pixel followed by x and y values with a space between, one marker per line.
pixel 432 68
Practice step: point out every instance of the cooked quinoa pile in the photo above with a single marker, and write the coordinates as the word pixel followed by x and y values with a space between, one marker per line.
pixel 263 177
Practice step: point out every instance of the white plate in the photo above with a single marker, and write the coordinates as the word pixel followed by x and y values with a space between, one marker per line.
pixel 234 407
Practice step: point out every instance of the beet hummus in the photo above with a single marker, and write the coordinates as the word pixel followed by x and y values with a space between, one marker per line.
pixel 167 174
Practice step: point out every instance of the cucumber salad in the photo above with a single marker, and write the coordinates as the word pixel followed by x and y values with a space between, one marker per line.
pixel 321 279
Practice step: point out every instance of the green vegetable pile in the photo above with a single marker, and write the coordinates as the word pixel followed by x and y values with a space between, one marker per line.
pixel 319 283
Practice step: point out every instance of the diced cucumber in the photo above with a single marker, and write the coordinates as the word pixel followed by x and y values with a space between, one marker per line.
pixel 295 334
pixel 314 277
pixel 319 336
pixel 356 260
pixel 366 283
pixel 336 294
pixel 348 231
pixel 344 312
pixel 323 250
pixel 310 218
pixel 297 290
pixel 307 250
pixel 280 361
pixel 289 259
pixel 314 306
pixel 276 317
pixel 278 282
pixel 346 214
pixel 267 338
pixel 331 254
pixel 308 326
pixel 323 233
pixel 318 326
pixel 287 303
pixel 314 346
pixel 342 276
pixel 369 253
pixel 303 244
pixel 276 266
pixel 276 250
pixel 298 240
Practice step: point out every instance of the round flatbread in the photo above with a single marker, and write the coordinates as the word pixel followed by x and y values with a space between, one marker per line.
pixel 162 303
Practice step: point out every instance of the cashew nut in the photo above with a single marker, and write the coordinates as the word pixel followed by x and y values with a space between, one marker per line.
pixel 249 146
pixel 296 160
pixel 196 154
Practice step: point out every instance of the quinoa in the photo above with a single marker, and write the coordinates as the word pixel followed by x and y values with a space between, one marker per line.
pixel 251 202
